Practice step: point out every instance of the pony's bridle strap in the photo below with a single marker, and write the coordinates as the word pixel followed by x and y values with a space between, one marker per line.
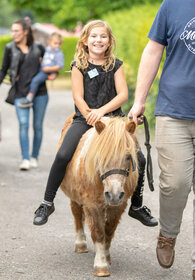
pixel 115 171
pixel 124 172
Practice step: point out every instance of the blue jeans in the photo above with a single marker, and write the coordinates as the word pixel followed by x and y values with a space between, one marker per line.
pixel 40 78
pixel 39 108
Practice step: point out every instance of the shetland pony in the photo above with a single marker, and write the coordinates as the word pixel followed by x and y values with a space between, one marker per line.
pixel 99 180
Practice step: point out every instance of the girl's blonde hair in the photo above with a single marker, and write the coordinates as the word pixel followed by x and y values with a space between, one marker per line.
pixel 81 55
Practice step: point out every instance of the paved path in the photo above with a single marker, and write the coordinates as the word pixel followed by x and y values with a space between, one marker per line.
pixel 28 252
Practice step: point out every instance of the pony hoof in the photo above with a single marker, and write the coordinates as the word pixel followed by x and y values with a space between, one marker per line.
pixel 101 271
pixel 81 248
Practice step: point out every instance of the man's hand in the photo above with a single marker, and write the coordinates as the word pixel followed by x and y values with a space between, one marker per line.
pixel 136 113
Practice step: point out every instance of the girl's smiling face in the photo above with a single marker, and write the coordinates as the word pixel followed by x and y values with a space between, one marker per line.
pixel 98 41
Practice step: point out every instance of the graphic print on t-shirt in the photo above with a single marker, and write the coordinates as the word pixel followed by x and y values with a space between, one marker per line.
pixel 188 35
pixel 48 58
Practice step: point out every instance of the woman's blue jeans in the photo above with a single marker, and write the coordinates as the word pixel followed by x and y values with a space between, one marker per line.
pixel 39 108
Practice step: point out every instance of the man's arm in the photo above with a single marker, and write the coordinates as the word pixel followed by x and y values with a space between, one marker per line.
pixel 148 69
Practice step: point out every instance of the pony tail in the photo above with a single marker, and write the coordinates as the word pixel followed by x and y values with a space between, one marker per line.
pixel 30 37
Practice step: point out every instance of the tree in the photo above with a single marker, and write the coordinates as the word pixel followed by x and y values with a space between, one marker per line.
pixel 66 13
pixel 7 14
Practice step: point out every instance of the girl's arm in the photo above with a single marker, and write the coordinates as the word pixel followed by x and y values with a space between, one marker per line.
pixel 78 91
pixel 115 103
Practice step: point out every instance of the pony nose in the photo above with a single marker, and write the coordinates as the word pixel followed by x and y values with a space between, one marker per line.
pixel 121 195
pixel 114 198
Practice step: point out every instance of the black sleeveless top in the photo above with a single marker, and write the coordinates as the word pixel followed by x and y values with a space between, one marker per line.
pixel 100 89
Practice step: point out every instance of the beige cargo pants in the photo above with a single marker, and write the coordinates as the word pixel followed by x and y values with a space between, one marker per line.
pixel 175 143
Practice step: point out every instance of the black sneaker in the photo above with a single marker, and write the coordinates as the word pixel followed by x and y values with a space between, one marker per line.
pixel 25 103
pixel 143 215
pixel 42 214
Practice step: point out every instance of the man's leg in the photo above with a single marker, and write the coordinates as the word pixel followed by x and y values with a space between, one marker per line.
pixel 193 248
pixel 176 159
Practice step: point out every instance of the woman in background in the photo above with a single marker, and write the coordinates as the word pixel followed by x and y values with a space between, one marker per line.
pixel 22 58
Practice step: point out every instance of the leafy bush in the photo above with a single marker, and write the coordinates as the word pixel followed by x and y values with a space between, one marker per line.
pixel 68 48
pixel 3 41
pixel 130 28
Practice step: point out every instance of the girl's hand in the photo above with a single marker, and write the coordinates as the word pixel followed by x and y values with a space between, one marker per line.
pixel 94 115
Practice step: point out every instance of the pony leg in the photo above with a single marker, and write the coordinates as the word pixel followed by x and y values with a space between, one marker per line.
pixel 113 216
pixel 96 222
pixel 80 242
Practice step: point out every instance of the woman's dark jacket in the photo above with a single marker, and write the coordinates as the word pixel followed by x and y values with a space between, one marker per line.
pixel 22 67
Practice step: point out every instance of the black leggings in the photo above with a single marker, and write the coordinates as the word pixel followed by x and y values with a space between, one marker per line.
pixel 137 197
pixel 64 155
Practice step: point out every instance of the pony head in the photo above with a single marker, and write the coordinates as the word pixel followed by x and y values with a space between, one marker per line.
pixel 112 158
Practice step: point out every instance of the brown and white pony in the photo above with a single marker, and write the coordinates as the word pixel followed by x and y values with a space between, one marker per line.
pixel 99 180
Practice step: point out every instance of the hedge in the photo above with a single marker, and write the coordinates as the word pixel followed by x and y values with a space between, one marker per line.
pixel 68 48
pixel 3 41
pixel 130 28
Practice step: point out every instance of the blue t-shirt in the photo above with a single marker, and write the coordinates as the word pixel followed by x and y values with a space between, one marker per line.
pixel 174 27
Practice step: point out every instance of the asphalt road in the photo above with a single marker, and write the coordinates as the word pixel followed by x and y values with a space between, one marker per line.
pixel 28 252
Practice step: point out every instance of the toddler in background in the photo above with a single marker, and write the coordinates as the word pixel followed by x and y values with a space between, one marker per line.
pixel 53 61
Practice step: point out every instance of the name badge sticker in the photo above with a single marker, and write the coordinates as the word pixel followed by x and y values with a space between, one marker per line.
pixel 93 73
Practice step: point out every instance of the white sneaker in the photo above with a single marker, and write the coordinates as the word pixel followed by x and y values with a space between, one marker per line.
pixel 25 165
pixel 33 162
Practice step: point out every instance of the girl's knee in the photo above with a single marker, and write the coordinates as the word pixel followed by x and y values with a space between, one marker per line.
pixel 63 157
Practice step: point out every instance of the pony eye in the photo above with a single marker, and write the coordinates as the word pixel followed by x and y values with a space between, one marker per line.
pixel 128 157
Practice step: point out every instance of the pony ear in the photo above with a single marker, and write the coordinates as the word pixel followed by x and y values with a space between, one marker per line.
pixel 131 126
pixel 99 126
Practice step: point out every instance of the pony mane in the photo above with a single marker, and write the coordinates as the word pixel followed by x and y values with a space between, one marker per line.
pixel 111 145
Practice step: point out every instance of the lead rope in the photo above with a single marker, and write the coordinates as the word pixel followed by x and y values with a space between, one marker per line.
pixel 149 168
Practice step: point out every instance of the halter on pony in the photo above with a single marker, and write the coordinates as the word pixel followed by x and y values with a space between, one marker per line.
pixel 124 172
